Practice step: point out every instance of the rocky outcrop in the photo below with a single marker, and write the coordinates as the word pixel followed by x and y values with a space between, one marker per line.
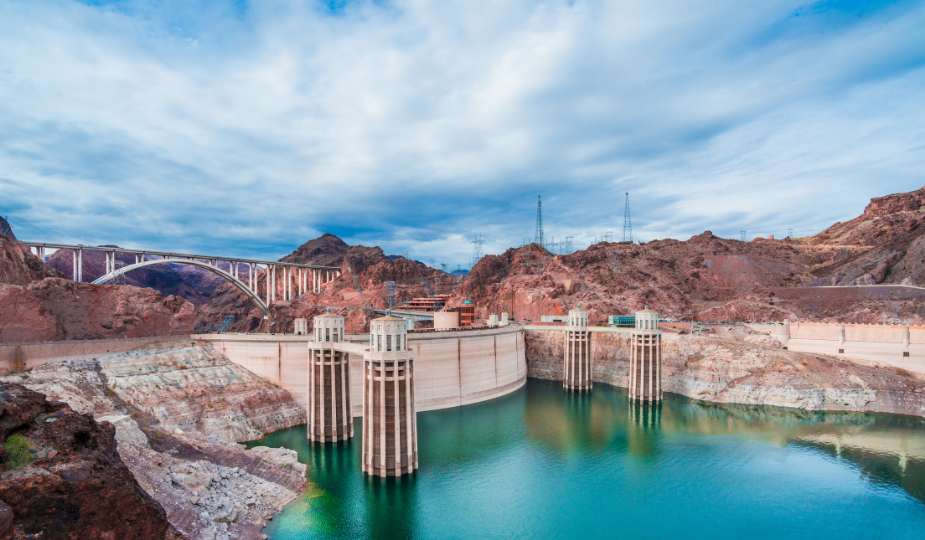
pixel 6 230
pixel 84 311
pixel 177 413
pixel 211 489
pixel 193 389
pixel 18 266
pixel 747 372
pixel 23 318
pixel 326 250
pixel 76 480
pixel 359 258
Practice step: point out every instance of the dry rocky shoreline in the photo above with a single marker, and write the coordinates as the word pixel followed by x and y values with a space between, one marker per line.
pixel 179 415
pixel 747 368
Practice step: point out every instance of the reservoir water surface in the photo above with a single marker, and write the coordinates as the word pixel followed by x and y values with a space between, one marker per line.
pixel 544 463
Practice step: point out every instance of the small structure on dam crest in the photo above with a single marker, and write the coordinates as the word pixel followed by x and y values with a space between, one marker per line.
pixel 390 438
pixel 329 414
pixel 646 361
pixel 577 372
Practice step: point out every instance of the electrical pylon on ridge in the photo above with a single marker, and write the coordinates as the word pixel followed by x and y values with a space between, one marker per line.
pixel 477 242
pixel 627 222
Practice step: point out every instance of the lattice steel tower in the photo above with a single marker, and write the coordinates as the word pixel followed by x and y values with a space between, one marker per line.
pixel 477 248
pixel 538 237
pixel 627 222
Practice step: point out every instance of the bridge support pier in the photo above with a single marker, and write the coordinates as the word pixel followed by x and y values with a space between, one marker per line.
pixel 577 372
pixel 390 441
pixel 329 414
pixel 646 360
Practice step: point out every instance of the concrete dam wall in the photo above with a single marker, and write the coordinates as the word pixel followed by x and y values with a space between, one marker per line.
pixel 895 345
pixel 450 368
pixel 22 356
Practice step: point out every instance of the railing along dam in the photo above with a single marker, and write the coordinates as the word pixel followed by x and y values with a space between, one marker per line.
pixel 451 368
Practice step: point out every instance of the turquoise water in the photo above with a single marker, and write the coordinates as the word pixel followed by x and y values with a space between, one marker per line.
pixel 542 463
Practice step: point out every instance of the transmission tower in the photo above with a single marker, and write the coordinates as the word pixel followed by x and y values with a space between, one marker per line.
pixel 568 244
pixel 390 292
pixel 538 237
pixel 119 279
pixel 477 242
pixel 627 222
pixel 789 233
pixel 742 235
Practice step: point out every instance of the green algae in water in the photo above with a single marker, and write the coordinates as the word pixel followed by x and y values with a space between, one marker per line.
pixel 543 463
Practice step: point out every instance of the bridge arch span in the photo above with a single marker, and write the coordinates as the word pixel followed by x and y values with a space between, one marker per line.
pixel 228 277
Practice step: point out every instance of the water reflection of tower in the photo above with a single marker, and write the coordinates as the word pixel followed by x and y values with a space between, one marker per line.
pixel 645 415
pixel 643 428
pixel 577 368
pixel 390 439
pixel 329 414
pixel 646 360
pixel 391 508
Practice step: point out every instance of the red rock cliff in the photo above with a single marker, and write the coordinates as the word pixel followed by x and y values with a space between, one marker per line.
pixel 77 486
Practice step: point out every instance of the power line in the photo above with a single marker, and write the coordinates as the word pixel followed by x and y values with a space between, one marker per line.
pixel 47 234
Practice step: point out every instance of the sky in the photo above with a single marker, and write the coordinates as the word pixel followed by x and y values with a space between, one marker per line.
pixel 247 128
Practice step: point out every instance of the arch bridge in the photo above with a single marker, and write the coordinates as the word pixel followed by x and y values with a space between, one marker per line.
pixel 293 280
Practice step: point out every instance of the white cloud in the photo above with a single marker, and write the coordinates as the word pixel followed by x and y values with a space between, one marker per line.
pixel 415 125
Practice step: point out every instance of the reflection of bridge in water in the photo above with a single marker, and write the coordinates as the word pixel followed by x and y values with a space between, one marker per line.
pixel 292 276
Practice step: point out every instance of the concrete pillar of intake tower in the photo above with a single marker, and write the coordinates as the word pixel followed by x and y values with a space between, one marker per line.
pixel 390 439
pixel 646 358
pixel 577 367
pixel 300 327
pixel 329 413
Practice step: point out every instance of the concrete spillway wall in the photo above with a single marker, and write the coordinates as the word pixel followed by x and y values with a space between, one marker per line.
pixel 450 368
